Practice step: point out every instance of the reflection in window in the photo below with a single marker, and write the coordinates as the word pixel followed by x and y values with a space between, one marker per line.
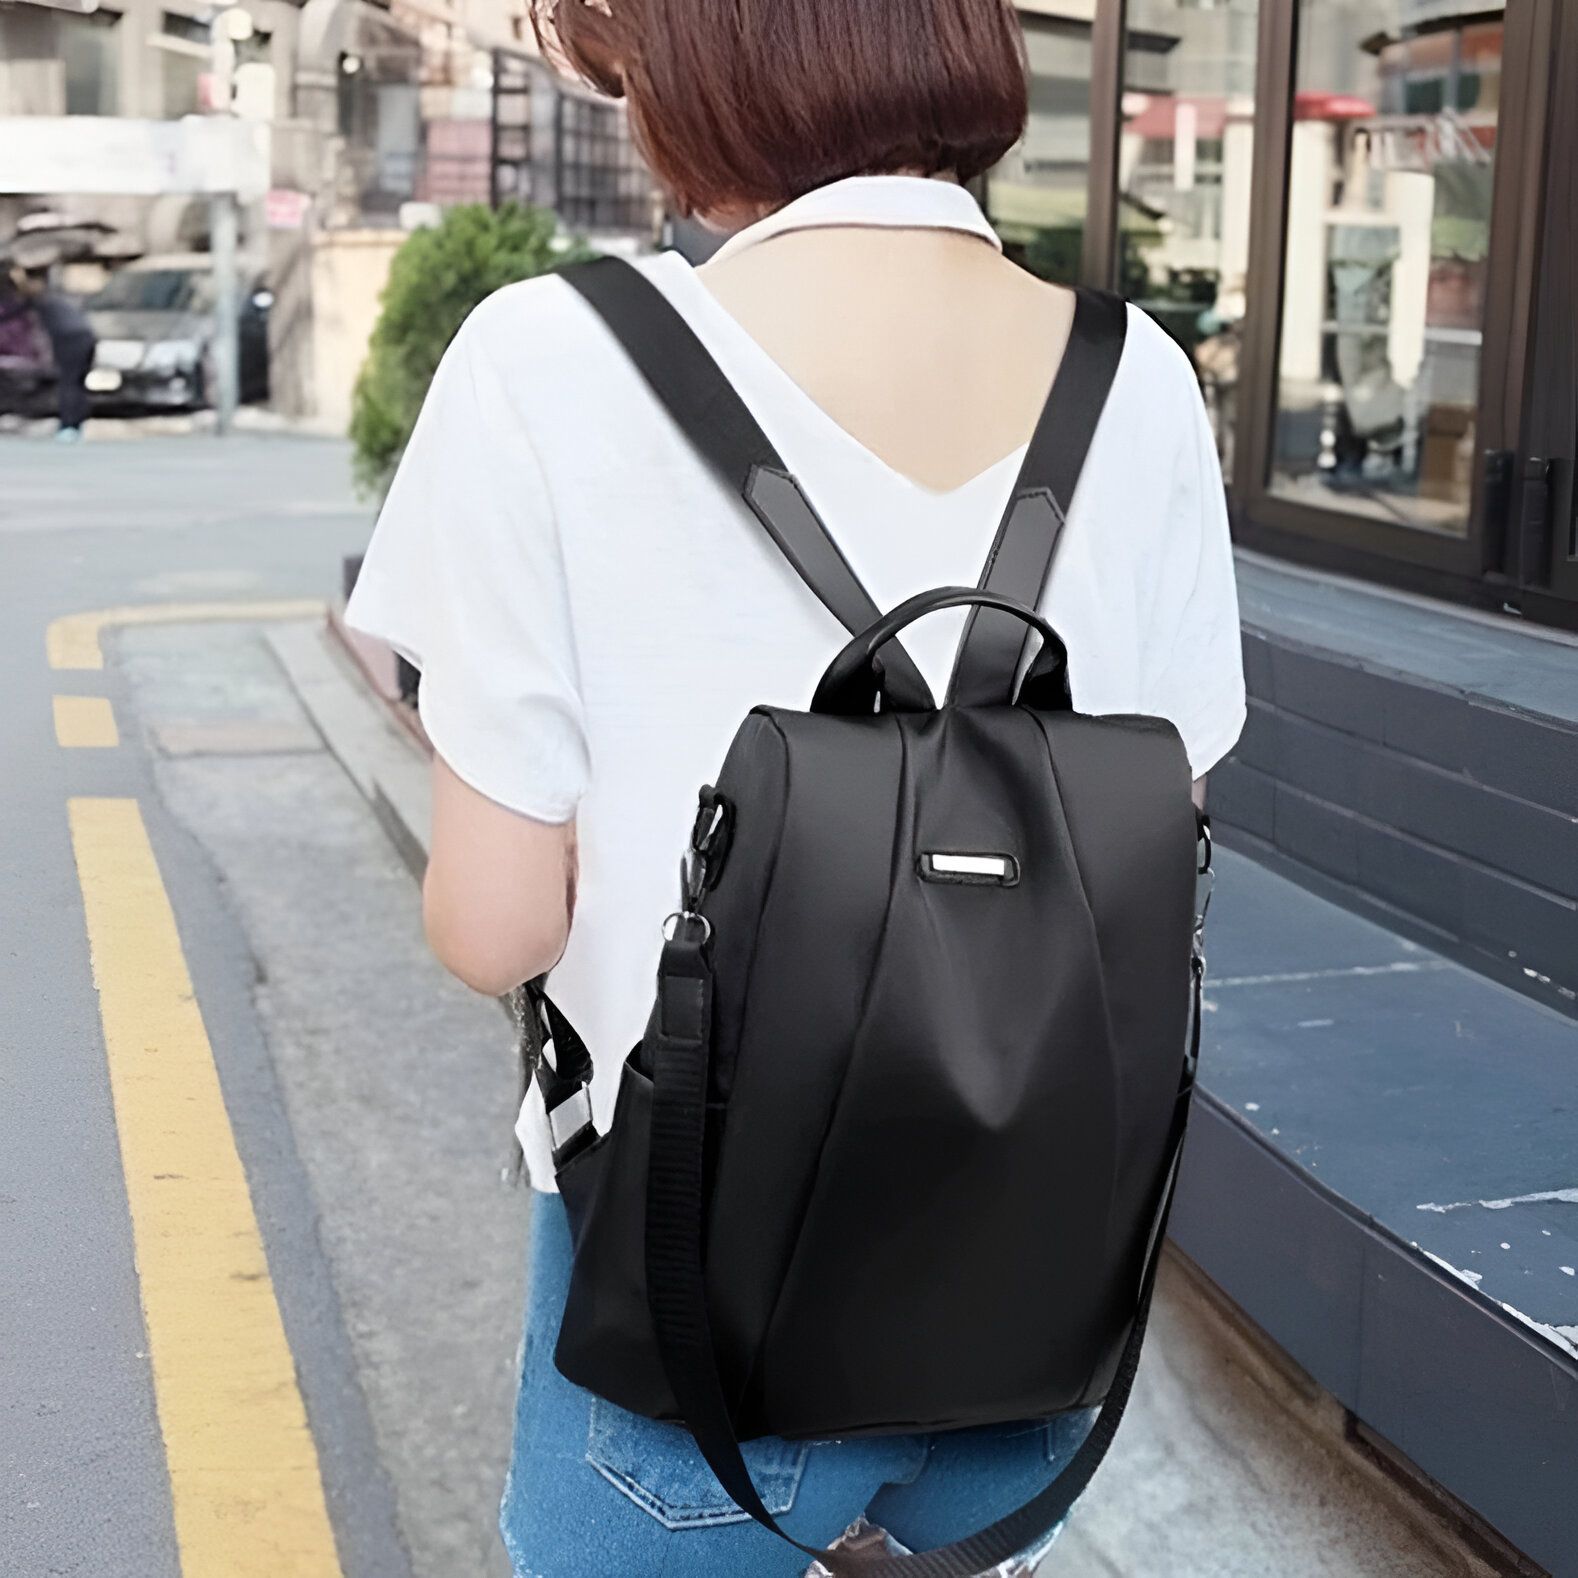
pixel 1388 231
pixel 183 62
pixel 1183 181
pixel 603 184
pixel 380 117
pixel 90 56
pixel 1036 195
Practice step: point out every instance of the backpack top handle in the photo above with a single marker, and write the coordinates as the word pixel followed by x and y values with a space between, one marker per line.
pixel 855 683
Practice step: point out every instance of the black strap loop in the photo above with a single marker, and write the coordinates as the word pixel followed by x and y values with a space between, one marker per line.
pixel 566 1080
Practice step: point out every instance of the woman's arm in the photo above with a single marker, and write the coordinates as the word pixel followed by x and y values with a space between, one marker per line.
pixel 500 888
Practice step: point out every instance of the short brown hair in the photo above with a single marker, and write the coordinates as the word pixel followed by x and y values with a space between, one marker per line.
pixel 750 103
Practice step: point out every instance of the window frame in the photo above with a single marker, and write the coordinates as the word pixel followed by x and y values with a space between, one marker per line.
pixel 1552 423
pixel 1528 389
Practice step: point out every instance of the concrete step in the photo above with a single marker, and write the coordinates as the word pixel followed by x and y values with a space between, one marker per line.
pixel 1418 762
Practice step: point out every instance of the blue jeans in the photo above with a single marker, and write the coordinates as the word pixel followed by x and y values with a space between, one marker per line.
pixel 595 1492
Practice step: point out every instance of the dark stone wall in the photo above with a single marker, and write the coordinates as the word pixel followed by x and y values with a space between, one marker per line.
pixel 1453 810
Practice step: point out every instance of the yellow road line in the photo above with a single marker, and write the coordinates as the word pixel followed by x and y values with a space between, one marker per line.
pixel 72 641
pixel 244 1474
pixel 85 723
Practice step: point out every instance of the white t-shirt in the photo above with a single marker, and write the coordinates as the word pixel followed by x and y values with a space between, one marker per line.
pixel 594 612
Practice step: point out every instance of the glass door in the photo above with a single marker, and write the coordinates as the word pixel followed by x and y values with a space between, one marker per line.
pixel 1393 303
pixel 1185 159
pixel 1391 173
pixel 1543 545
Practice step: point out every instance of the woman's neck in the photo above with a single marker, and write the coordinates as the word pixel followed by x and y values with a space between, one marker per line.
pixel 925 344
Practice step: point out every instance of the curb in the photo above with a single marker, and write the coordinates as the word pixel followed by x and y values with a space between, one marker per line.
pixel 376 740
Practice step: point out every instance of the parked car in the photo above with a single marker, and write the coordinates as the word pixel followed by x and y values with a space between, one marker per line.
pixel 155 325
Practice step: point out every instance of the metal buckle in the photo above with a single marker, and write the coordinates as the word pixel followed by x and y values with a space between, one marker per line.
pixel 708 825
pixel 672 921
pixel 570 1119
pixel 533 1008
pixel 1204 888
pixel 1205 885
pixel 708 837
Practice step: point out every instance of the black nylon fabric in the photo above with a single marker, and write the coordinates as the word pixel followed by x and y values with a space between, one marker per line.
pixel 972 1109
pixel 681 1036
pixel 902 1058
pixel 684 1337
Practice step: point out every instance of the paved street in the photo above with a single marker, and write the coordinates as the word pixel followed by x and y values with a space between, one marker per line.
pixel 361 1107
pixel 259 1277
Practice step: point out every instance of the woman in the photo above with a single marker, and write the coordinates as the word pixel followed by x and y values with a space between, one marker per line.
pixel 72 343
pixel 593 612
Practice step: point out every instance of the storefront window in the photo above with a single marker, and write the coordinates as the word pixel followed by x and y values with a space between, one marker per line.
pixel 90 53
pixel 1184 162
pixel 1389 196
pixel 181 69
pixel 1036 197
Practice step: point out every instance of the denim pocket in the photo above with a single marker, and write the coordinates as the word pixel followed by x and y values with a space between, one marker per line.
pixel 660 1468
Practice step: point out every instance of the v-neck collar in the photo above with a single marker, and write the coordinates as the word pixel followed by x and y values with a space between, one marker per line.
pixel 689 292
pixel 883 201
pixel 902 202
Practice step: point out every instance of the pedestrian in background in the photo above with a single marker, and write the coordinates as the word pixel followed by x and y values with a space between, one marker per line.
pixel 18 326
pixel 71 342
pixel 593 610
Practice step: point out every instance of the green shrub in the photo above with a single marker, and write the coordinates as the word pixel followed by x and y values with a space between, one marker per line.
pixel 436 278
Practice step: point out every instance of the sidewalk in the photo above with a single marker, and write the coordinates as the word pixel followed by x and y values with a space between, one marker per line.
pixel 165 424
pixel 395 1089
pixel 1230 1462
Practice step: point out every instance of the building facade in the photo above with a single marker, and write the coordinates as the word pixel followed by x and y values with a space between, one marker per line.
pixel 1353 214
pixel 377 117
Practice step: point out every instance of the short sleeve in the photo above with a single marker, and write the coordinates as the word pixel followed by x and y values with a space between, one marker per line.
pixel 1193 664
pixel 464 577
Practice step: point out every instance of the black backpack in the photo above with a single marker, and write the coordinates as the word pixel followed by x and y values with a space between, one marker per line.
pixel 897 1149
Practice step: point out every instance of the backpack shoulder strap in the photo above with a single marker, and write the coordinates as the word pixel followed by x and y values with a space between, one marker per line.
pixel 681 372
pixel 1021 557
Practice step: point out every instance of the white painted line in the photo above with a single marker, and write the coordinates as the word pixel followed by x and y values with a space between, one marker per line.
pixel 1546 1197
pixel 72 641
pixel 1292 977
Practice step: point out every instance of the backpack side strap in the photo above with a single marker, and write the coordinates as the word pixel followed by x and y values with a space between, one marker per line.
pixel 686 380
pixel 1021 558
pixel 566 1081
pixel 676 1287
